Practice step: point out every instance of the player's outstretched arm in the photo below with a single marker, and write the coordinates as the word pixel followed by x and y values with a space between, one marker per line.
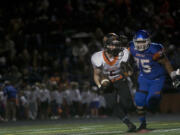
pixel 173 74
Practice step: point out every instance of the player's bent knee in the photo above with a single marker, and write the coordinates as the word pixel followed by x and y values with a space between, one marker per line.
pixel 140 99
pixel 140 110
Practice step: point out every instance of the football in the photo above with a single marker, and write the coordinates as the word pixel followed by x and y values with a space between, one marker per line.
pixel 106 85
pixel 105 82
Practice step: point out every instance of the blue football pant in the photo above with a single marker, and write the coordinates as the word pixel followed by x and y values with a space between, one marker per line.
pixel 149 91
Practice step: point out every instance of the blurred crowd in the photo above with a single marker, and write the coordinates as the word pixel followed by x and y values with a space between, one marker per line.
pixel 46 101
pixel 46 45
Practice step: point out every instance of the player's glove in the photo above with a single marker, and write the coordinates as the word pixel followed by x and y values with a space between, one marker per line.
pixel 176 83
pixel 101 89
pixel 175 75
pixel 105 87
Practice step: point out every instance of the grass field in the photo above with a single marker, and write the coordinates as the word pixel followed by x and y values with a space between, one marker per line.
pixel 99 127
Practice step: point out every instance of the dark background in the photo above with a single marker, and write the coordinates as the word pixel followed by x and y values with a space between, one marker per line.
pixel 52 40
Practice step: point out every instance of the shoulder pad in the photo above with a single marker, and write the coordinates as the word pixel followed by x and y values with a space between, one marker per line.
pixel 96 59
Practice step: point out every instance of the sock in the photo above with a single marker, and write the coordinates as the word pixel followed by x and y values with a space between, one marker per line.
pixel 142 119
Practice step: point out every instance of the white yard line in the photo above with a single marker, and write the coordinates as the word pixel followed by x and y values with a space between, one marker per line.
pixel 91 133
pixel 85 128
pixel 165 130
pixel 95 133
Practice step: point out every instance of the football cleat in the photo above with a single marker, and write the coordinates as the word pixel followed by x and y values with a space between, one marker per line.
pixel 142 126
pixel 131 127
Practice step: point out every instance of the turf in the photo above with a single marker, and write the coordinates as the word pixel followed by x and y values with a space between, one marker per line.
pixel 88 128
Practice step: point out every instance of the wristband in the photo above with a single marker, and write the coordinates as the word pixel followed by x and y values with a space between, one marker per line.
pixel 178 72
pixel 99 86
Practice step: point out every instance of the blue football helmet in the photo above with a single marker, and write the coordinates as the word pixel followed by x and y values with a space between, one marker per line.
pixel 141 40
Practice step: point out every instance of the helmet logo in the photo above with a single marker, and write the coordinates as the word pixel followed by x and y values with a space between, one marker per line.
pixel 141 40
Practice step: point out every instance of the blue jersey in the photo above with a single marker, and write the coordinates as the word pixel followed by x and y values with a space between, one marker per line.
pixel 147 61
pixel 10 92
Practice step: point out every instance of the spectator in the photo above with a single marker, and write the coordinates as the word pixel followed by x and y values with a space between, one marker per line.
pixel 86 95
pixel 11 93
pixel 94 105
pixel 76 99
pixel 23 108
pixel 56 102
pixel 33 103
pixel 44 101
pixel 2 104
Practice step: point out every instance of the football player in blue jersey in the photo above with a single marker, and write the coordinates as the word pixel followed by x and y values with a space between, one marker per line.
pixel 152 64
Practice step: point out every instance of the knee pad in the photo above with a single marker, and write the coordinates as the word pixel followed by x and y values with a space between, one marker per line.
pixel 140 110
pixel 140 98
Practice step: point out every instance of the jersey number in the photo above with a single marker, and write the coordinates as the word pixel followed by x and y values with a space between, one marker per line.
pixel 144 64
